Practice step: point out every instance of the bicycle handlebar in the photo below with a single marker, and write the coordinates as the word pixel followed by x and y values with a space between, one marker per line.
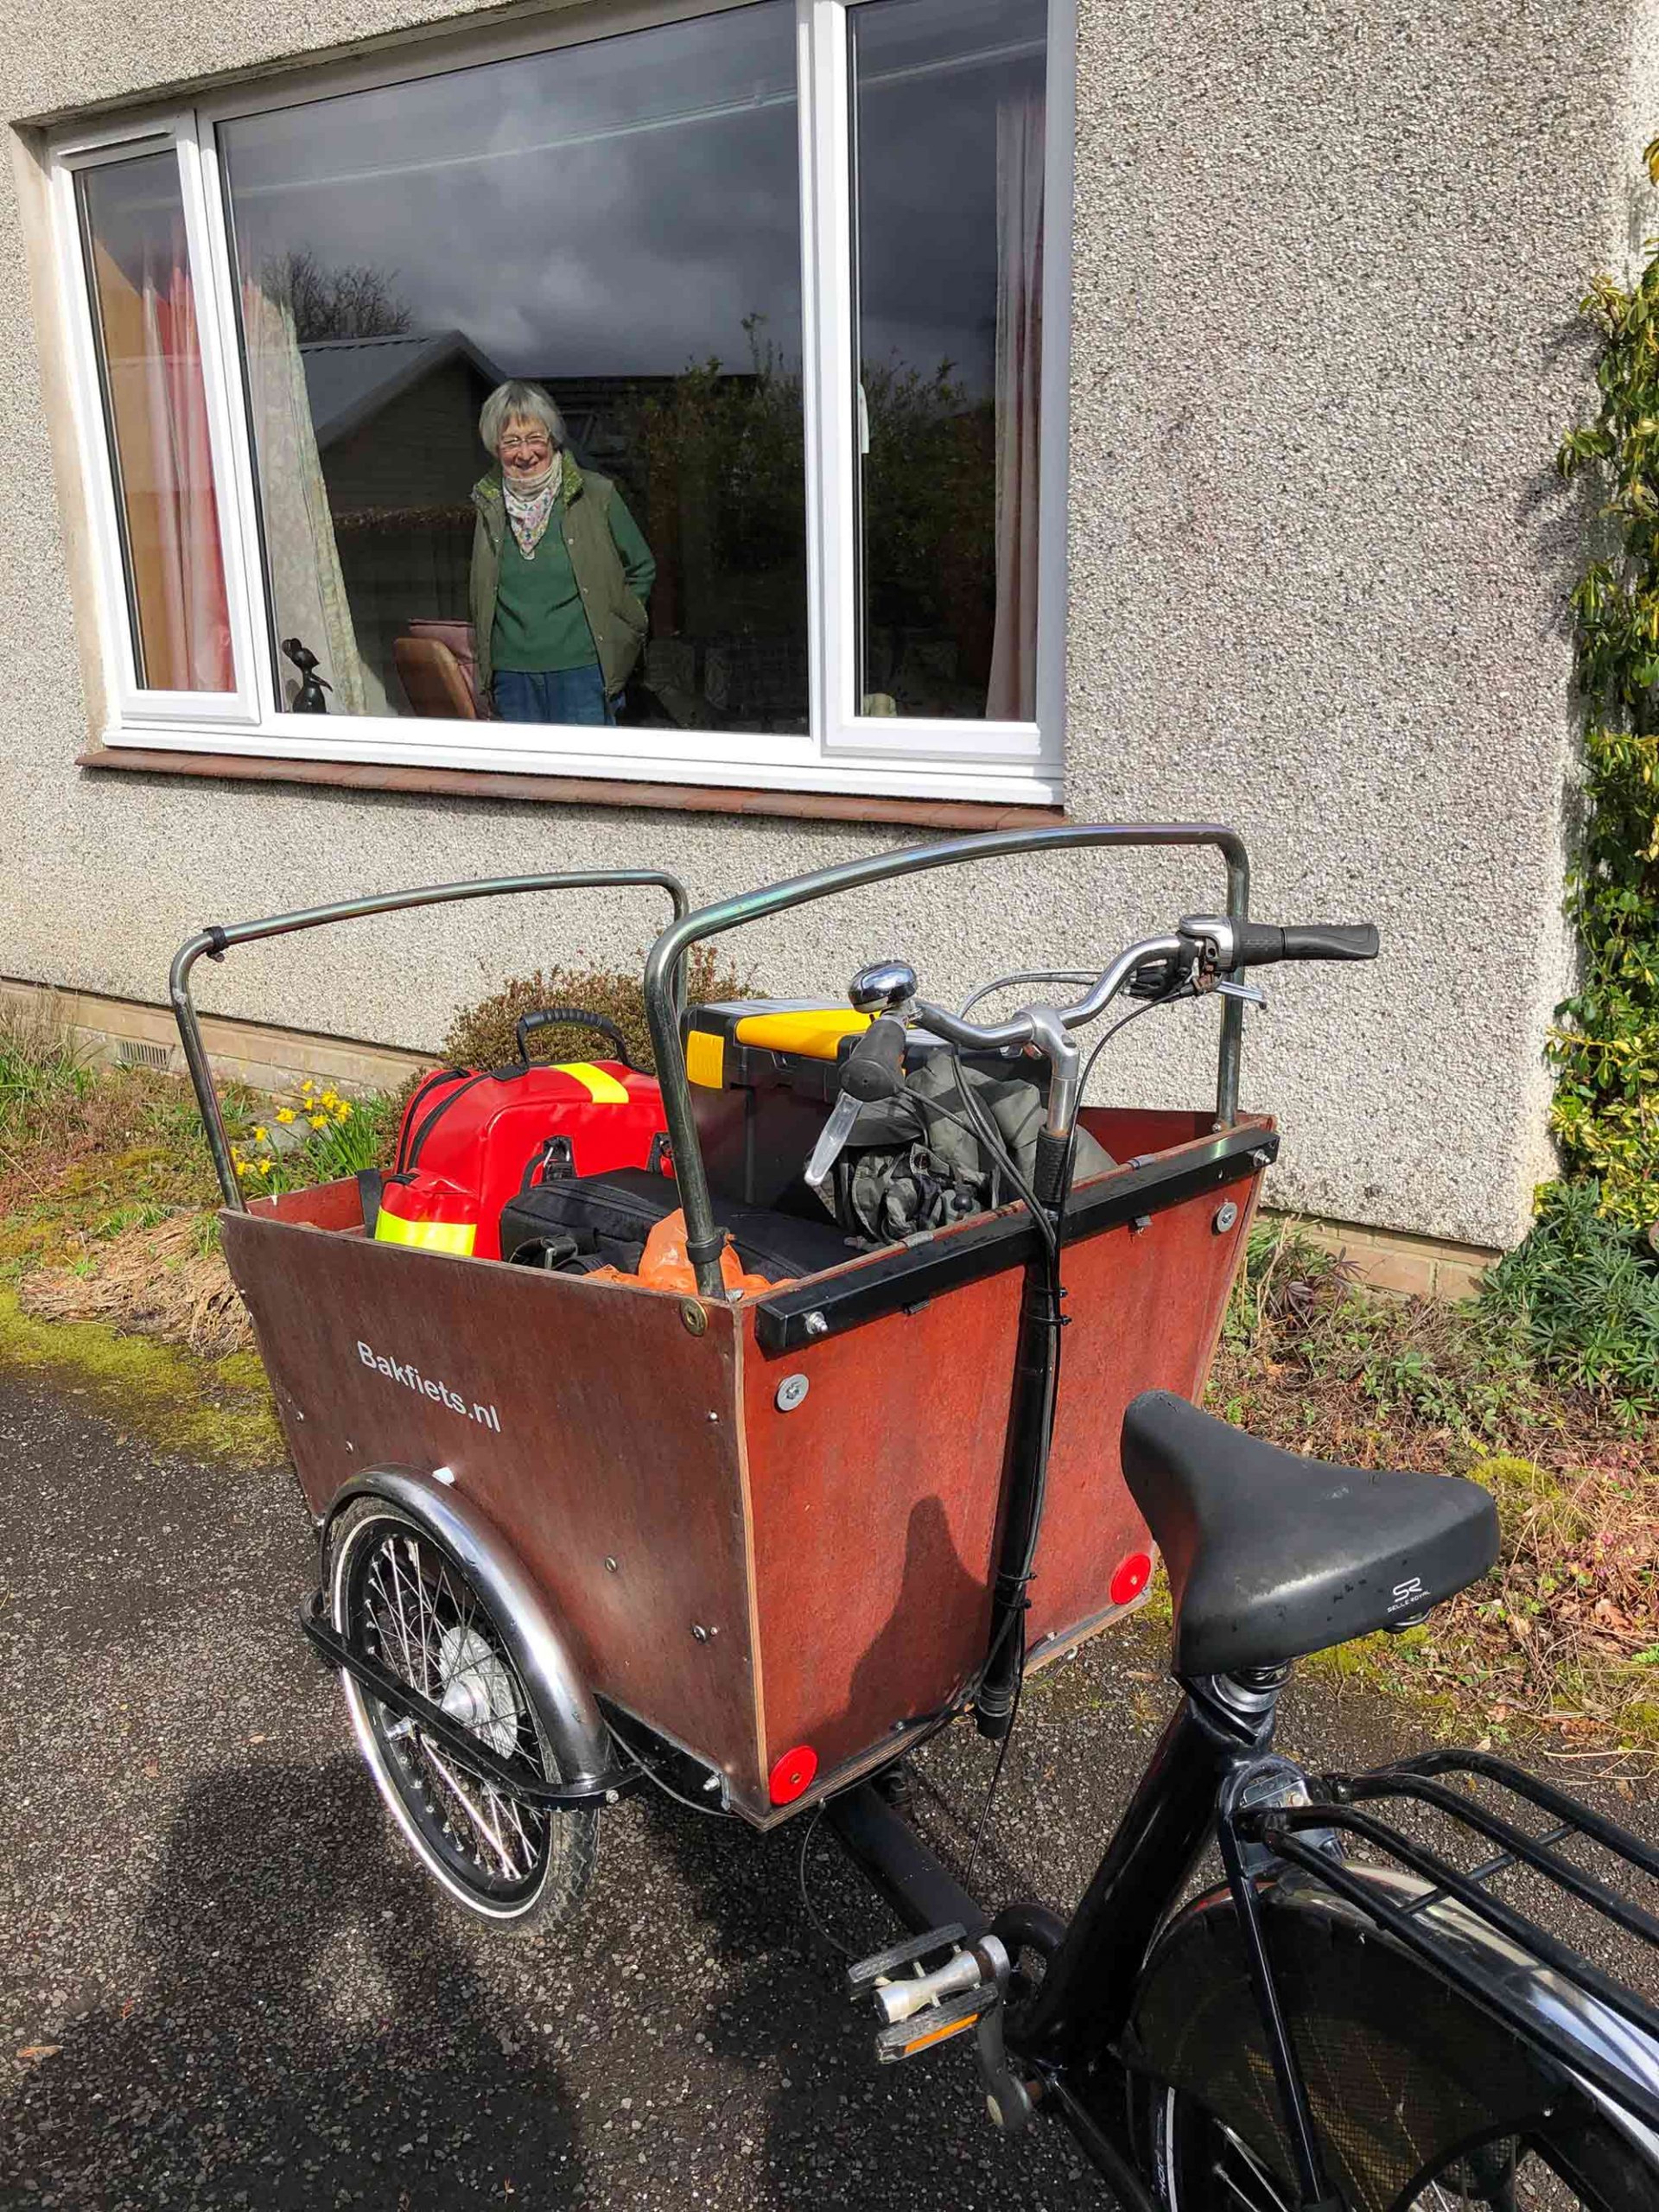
pixel 1021 1028
pixel 1233 945
pixel 1212 941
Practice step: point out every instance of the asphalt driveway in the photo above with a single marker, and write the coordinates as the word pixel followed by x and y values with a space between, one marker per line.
pixel 225 1984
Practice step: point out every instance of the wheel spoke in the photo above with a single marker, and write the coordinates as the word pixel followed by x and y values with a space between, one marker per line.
pixel 485 1827
pixel 1271 2198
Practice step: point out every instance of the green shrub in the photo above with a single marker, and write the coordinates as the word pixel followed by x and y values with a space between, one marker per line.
pixel 1606 1048
pixel 483 1036
pixel 1583 1290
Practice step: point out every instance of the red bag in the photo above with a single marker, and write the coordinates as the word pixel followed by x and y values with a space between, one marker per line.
pixel 492 1134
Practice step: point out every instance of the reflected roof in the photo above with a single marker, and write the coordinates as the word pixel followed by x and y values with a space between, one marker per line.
pixel 349 379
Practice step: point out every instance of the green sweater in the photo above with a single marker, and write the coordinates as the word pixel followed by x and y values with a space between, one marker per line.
pixel 540 622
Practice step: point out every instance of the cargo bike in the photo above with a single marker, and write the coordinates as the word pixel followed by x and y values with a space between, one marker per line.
pixel 863 1388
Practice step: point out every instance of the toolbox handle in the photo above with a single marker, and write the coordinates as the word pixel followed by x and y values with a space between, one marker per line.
pixel 571 1016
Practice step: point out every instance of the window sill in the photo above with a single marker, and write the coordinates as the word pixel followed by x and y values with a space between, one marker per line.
pixel 574 790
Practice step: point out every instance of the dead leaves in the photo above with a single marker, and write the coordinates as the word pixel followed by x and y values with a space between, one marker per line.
pixel 157 1281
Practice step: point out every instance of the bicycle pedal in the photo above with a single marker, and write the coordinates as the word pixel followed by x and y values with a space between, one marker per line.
pixel 935 2024
pixel 864 1977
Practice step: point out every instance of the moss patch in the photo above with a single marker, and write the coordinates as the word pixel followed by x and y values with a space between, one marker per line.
pixel 204 1409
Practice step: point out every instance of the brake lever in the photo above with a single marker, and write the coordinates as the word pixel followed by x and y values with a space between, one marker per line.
pixel 832 1139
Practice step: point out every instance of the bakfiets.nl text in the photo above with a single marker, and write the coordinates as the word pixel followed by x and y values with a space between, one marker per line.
pixel 396 1370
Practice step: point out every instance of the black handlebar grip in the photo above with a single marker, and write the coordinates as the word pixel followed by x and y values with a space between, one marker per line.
pixel 1259 944
pixel 875 1069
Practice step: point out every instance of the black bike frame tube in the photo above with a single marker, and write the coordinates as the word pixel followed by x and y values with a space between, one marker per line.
pixel 1281 2051
pixel 1089 1984
pixel 1030 1426
pixel 216 942
pixel 667 956
pixel 920 1889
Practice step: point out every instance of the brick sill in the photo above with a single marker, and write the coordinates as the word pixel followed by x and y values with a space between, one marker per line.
pixel 574 790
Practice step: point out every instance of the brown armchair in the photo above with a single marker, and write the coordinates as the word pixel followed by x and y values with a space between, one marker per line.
pixel 434 666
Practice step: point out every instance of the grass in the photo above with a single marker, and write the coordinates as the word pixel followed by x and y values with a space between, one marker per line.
pixel 207 1409
pixel 108 1198
pixel 1563 1639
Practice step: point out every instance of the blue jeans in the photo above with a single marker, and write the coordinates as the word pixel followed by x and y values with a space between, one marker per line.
pixel 554 695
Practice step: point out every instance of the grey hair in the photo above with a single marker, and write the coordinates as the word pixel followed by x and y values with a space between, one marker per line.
pixel 523 400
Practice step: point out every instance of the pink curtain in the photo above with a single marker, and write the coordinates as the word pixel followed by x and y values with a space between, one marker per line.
pixel 1011 695
pixel 190 648
pixel 158 408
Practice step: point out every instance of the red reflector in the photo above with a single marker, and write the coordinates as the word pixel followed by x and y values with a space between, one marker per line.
pixel 793 1774
pixel 1131 1578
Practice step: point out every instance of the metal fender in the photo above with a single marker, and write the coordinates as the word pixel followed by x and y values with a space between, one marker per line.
pixel 564 1705
pixel 1199 1946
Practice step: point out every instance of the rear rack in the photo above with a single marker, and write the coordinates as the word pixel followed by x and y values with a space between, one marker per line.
pixel 1284 1830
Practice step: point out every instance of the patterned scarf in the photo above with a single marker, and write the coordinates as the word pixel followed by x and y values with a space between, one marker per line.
pixel 530 506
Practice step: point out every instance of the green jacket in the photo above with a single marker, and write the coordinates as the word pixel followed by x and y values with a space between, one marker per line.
pixel 614 591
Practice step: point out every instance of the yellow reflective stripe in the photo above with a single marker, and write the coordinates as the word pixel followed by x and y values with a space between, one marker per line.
pixel 431 1236
pixel 705 1058
pixel 601 1087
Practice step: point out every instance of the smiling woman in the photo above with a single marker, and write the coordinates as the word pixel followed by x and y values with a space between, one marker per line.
pixel 778 271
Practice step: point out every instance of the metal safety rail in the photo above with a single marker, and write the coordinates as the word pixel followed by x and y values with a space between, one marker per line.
pixel 215 941
pixel 1624 2064
pixel 667 956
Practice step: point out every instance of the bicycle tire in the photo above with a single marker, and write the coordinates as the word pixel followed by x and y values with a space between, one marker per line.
pixel 1418 2100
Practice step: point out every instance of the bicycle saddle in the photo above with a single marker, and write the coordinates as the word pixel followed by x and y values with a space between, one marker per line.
pixel 1271 1556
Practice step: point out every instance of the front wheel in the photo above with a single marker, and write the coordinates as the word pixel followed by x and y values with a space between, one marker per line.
pixel 396 1594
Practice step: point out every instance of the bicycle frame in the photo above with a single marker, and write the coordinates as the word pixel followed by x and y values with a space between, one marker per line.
pixel 1213 1774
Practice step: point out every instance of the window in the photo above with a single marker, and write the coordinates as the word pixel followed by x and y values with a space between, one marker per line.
pixel 764 288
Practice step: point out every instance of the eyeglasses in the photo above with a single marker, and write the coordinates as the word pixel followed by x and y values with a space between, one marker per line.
pixel 535 442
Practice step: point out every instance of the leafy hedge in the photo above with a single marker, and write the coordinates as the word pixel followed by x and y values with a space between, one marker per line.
pixel 1606 1049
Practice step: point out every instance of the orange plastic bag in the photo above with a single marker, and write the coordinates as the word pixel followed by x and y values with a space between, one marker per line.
pixel 663 1265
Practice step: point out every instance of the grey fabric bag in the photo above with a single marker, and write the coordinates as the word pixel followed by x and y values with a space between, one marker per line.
pixel 907 1167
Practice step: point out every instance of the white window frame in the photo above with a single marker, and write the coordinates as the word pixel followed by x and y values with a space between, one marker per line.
pixel 1005 763
pixel 143 713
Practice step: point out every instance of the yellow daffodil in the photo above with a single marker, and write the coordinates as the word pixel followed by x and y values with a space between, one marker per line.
pixel 266 1167
pixel 318 1121
pixel 330 1098
pixel 285 1113
pixel 259 1136
pixel 343 1110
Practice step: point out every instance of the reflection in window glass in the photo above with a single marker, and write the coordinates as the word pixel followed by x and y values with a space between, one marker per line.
pixel 149 368
pixel 616 223
pixel 948 153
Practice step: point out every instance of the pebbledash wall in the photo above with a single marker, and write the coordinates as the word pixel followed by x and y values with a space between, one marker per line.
pixel 1326 259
